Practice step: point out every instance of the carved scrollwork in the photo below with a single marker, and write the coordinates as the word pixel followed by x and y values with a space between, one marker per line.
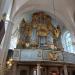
pixel 52 56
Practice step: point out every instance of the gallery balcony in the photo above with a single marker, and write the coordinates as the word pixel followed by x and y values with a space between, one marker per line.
pixel 43 55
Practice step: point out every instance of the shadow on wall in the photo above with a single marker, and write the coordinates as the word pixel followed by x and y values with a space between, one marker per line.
pixel 10 54
pixel 2 30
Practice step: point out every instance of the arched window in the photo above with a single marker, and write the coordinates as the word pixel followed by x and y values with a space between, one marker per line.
pixel 67 42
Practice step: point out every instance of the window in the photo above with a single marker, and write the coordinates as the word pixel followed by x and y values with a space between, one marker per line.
pixel 67 42
pixel 13 43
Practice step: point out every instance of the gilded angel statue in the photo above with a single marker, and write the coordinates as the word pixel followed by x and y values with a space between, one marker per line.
pixel 56 34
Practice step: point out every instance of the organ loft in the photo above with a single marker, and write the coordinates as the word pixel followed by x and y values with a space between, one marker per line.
pixel 39 33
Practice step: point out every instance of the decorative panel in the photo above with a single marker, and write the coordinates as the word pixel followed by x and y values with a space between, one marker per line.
pixel 43 55
pixel 31 55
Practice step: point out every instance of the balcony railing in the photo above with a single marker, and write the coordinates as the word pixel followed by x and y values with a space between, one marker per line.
pixel 43 55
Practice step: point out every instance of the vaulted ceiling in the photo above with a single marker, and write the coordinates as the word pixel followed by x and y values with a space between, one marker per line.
pixel 64 10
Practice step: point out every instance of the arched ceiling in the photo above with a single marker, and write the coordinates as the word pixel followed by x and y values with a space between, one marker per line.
pixel 64 10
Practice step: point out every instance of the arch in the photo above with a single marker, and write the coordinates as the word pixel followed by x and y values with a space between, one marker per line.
pixel 36 7
pixel 31 7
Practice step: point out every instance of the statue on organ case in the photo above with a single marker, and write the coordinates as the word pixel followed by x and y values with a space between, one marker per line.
pixel 56 34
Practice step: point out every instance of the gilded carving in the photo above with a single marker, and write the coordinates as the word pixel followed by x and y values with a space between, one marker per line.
pixel 52 56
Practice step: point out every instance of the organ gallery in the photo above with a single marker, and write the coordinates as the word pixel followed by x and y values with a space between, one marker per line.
pixel 39 48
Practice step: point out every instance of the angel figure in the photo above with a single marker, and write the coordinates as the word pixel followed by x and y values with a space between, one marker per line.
pixel 56 33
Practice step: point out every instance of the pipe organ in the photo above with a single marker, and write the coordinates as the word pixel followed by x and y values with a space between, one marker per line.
pixel 40 33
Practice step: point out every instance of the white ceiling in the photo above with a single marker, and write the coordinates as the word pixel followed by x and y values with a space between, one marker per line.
pixel 64 10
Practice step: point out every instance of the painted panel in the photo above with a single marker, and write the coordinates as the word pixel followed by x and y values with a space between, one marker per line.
pixel 31 55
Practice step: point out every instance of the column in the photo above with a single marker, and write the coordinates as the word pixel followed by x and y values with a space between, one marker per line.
pixel 38 69
pixel 61 71
pixel 45 71
pixel 65 70
pixel 70 71
pixel 5 46
pixel 14 71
